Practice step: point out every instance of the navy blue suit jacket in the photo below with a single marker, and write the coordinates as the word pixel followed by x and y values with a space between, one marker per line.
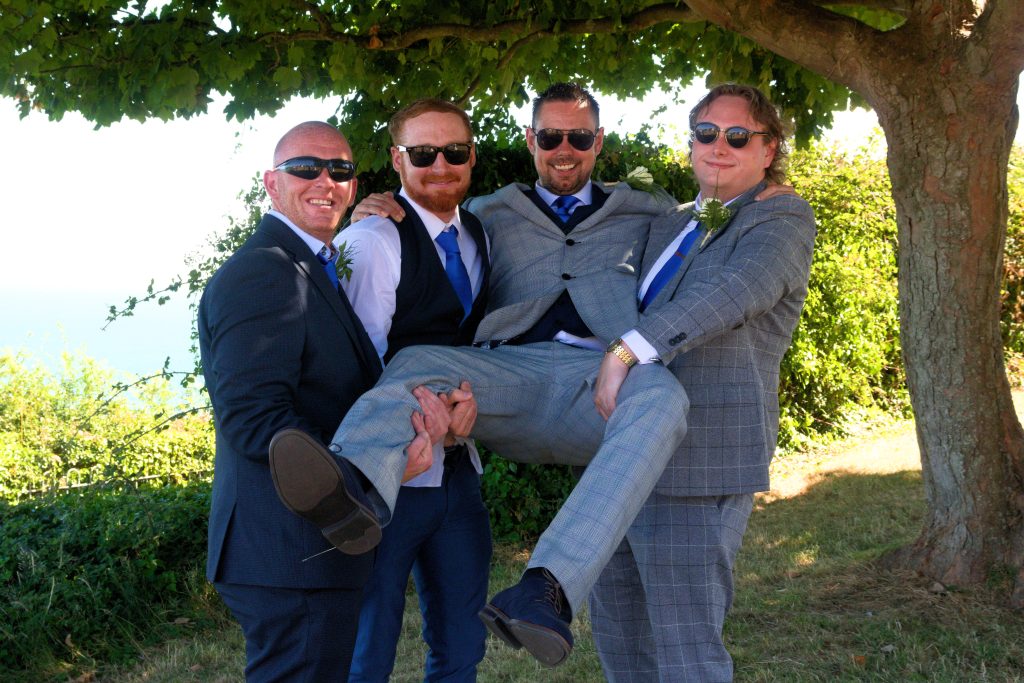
pixel 281 348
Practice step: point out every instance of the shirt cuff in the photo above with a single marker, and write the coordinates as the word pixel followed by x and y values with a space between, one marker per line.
pixel 641 348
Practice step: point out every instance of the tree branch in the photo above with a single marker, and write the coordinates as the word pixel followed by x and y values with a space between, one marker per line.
pixel 839 48
pixel 999 30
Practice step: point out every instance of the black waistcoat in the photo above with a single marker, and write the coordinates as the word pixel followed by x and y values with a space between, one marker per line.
pixel 427 310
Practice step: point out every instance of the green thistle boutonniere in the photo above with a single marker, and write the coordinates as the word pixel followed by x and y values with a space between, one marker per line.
pixel 344 262
pixel 713 214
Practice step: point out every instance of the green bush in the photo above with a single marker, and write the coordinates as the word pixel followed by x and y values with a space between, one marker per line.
pixel 82 426
pixel 93 574
pixel 845 357
pixel 1012 292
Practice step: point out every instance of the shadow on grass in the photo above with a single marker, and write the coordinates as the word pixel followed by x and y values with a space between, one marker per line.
pixel 812 603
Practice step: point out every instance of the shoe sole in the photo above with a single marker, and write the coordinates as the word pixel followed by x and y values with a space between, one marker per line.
pixel 311 484
pixel 546 646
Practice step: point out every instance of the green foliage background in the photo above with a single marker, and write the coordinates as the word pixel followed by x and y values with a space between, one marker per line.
pixel 88 574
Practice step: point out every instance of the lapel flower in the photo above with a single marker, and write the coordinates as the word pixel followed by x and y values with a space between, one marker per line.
pixel 713 215
pixel 640 179
pixel 344 262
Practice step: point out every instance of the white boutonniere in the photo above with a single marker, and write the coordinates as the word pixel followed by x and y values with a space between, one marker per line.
pixel 640 179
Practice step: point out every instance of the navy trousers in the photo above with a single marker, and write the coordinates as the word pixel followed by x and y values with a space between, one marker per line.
pixel 443 536
pixel 295 635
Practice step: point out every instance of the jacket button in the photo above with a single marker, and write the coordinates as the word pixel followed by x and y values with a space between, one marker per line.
pixel 570 242
pixel 566 276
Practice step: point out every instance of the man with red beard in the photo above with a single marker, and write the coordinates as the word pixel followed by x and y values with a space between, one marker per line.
pixel 565 254
pixel 423 280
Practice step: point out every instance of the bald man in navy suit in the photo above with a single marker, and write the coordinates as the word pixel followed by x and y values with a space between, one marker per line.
pixel 282 349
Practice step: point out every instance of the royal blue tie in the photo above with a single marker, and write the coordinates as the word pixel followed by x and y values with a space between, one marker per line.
pixel 670 267
pixel 455 268
pixel 563 206
pixel 329 262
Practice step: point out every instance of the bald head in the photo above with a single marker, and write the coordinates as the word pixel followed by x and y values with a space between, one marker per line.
pixel 302 132
pixel 316 205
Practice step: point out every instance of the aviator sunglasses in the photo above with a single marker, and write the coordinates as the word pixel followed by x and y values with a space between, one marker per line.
pixel 308 168
pixel 737 136
pixel 422 156
pixel 580 138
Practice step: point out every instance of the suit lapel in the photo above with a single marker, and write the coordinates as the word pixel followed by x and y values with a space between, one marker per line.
pixel 670 287
pixel 307 262
pixel 734 209
pixel 663 231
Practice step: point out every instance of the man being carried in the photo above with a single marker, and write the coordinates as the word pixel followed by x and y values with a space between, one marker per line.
pixel 564 260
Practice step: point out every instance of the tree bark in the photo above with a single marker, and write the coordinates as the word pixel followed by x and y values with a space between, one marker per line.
pixel 944 87
pixel 949 145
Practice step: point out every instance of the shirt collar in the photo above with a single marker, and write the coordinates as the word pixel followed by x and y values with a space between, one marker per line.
pixel 432 223
pixel 313 243
pixel 585 195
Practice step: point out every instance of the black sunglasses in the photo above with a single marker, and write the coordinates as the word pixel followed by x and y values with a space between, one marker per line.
pixel 580 138
pixel 309 168
pixel 422 156
pixel 737 136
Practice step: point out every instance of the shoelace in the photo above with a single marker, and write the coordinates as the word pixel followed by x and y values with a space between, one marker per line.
pixel 553 594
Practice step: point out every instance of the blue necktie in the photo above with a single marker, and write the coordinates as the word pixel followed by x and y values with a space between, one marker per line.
pixel 455 268
pixel 670 267
pixel 563 206
pixel 329 262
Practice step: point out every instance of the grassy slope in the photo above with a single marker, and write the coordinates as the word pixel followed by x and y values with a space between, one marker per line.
pixel 811 603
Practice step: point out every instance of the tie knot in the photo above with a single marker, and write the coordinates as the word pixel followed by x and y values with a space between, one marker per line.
pixel 449 240
pixel 563 206
pixel 326 255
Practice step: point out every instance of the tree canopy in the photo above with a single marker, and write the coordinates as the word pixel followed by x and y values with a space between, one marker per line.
pixel 942 75
pixel 114 59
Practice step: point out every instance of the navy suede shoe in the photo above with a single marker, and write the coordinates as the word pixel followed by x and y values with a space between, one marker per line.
pixel 532 614
pixel 324 489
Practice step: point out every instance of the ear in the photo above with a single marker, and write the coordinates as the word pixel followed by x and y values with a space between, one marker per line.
pixel 396 159
pixel 598 141
pixel 353 185
pixel 769 152
pixel 531 140
pixel 270 185
pixel 472 155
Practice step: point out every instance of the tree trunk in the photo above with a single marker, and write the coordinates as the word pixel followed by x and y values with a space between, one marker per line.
pixel 949 145
pixel 943 86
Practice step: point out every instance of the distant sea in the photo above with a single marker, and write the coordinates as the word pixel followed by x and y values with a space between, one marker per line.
pixel 46 324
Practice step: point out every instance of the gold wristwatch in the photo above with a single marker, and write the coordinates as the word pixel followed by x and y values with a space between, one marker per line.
pixel 622 353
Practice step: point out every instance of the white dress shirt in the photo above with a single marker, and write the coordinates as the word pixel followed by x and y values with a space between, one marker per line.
pixel 375 250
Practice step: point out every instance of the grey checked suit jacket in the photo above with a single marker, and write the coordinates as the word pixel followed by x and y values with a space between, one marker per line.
pixel 723 324
pixel 533 260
